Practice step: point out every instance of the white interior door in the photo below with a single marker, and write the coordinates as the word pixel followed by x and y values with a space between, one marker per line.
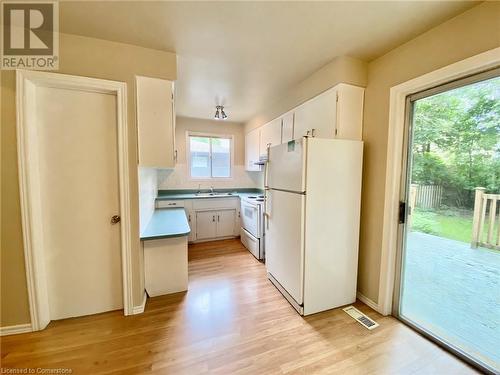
pixel 206 224
pixel 285 241
pixel 225 223
pixel 79 188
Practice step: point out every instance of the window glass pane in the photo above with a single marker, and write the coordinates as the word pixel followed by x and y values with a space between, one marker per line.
pixel 200 156
pixel 221 157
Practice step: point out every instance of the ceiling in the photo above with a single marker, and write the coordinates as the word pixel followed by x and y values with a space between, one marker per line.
pixel 245 55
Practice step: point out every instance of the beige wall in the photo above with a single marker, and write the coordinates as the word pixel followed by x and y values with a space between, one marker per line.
pixel 475 31
pixel 79 56
pixel 341 69
pixel 179 177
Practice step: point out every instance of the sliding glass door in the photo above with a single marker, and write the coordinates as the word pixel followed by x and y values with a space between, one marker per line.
pixel 449 258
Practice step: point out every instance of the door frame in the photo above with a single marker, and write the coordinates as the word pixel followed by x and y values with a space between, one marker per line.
pixel 31 211
pixel 394 167
pixel 406 165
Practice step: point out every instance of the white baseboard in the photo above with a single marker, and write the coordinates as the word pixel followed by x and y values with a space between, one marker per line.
pixel 14 330
pixel 367 301
pixel 140 309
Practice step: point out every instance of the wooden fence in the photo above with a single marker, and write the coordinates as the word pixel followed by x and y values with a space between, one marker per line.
pixel 485 226
pixel 423 196
pixel 428 196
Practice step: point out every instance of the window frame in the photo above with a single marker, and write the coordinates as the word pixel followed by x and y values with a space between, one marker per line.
pixel 190 134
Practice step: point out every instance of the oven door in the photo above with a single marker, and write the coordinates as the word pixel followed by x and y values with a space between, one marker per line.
pixel 250 218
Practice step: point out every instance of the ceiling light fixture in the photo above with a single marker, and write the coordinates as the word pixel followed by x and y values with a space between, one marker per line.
pixel 219 113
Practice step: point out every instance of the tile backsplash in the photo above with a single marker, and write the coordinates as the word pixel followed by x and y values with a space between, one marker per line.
pixel 179 178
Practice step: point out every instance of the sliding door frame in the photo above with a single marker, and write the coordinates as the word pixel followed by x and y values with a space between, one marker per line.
pixel 406 164
pixel 398 117
pixel 406 169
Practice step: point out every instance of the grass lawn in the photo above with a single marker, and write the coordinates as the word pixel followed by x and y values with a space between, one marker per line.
pixel 455 225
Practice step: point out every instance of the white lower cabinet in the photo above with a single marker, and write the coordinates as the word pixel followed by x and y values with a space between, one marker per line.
pixel 209 218
pixel 165 265
pixel 206 225
pixel 215 224
pixel 225 223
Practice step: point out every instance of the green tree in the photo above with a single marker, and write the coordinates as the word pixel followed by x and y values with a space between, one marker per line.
pixel 456 140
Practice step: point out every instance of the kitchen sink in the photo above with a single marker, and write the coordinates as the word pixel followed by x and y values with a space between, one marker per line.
pixel 214 194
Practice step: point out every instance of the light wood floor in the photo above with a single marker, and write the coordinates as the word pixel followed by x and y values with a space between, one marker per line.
pixel 231 321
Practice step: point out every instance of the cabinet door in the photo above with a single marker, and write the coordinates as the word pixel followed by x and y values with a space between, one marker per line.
pixel 192 224
pixel 270 135
pixel 155 122
pixel 317 116
pixel 287 127
pixel 350 112
pixel 206 224
pixel 252 140
pixel 225 223
pixel 191 216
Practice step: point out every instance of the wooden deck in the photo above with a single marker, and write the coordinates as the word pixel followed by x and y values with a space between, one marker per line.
pixel 454 291
pixel 232 321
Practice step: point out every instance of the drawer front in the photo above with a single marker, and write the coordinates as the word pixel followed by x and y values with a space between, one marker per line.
pixel 167 204
pixel 215 203
pixel 250 242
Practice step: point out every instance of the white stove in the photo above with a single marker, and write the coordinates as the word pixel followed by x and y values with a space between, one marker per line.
pixel 252 224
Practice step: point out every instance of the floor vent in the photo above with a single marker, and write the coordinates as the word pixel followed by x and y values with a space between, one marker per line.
pixel 360 317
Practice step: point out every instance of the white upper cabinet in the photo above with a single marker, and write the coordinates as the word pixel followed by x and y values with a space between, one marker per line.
pixel 270 135
pixel 336 113
pixel 156 122
pixel 287 127
pixel 317 116
pixel 350 112
pixel 252 142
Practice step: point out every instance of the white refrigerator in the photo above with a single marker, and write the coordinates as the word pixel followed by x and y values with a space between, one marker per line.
pixel 312 213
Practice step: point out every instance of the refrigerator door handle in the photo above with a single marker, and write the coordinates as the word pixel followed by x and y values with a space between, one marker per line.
pixel 266 214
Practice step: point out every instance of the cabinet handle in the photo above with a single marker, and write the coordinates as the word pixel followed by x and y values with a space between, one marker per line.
pixel 218 218
pixel 172 204
pixel 307 133
pixel 312 133
pixel 189 217
pixel 175 155
pixel 213 218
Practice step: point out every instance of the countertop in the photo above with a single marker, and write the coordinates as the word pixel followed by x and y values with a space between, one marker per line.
pixel 166 223
pixel 172 222
pixel 191 194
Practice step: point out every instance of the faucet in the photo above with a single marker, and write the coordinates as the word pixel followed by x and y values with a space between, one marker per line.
pixel 211 189
pixel 199 189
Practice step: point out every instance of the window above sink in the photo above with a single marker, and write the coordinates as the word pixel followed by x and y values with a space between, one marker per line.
pixel 210 156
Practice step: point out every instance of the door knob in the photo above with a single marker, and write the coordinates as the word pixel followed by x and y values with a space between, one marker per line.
pixel 115 219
